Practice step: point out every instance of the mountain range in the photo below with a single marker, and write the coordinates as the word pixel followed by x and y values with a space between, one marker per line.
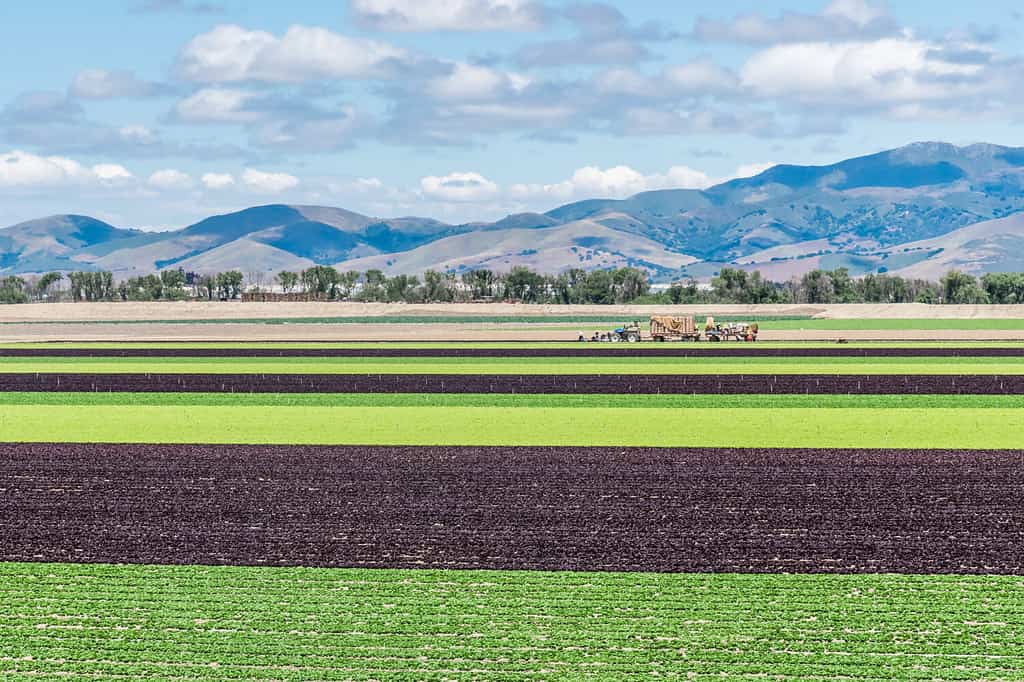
pixel 919 211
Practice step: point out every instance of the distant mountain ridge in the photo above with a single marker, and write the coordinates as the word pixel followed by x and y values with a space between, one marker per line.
pixel 914 209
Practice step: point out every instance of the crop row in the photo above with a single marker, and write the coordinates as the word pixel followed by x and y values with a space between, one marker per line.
pixel 614 384
pixel 581 351
pixel 516 508
pixel 216 623
pixel 692 401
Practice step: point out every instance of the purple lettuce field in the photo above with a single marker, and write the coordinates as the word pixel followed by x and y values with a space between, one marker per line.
pixel 582 509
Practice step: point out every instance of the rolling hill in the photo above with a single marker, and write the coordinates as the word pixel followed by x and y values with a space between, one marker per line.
pixel 919 210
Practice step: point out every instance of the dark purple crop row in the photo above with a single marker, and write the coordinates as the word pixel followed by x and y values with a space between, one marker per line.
pixel 518 383
pixel 584 350
pixel 516 508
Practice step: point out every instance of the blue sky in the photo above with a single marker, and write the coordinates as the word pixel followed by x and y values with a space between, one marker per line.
pixel 156 113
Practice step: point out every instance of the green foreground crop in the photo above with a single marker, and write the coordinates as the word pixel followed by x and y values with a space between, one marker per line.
pixel 980 428
pixel 513 365
pixel 214 623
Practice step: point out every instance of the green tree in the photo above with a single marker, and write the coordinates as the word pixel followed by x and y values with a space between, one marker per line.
pixel 437 287
pixel 321 280
pixel 730 285
pixel 374 289
pixel 287 280
pixel 480 283
pixel 630 284
pixel 401 288
pixel 172 284
pixel 679 293
pixel 817 287
pixel 347 282
pixel 229 284
pixel 12 290
pixel 961 288
pixel 47 281
pixel 523 284
pixel 1004 287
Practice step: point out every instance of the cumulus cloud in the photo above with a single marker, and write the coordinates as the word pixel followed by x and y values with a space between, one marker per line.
pixel 701 76
pixel 21 169
pixel 277 120
pixel 459 187
pixel 231 53
pixel 41 106
pixel 217 105
pixel 604 36
pixel 469 82
pixel 449 15
pixel 216 181
pixel 171 179
pixel 617 182
pixel 268 183
pixel 885 70
pixel 840 20
pixel 104 84
pixel 750 170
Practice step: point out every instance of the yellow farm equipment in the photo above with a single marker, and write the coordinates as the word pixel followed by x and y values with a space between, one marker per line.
pixel 684 328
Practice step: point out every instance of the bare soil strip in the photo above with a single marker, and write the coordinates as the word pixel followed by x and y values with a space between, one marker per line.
pixel 748 511
pixel 549 384
pixel 584 350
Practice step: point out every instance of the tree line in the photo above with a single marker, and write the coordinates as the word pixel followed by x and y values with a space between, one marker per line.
pixel 575 286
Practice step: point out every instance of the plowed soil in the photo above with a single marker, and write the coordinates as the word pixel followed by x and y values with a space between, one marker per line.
pixel 626 384
pixel 516 508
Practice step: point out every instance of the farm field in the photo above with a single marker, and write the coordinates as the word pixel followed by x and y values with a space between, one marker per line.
pixel 361 511
pixel 354 322
pixel 806 427
pixel 511 365
pixel 300 624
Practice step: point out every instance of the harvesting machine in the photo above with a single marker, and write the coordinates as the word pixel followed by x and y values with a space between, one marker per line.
pixel 684 328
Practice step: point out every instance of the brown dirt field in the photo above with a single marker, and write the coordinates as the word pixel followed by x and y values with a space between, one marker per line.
pixel 20 323
pixel 210 331
pixel 593 509
pixel 191 310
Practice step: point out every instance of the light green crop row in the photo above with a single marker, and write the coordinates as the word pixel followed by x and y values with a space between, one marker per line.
pixel 775 401
pixel 956 427
pixel 517 366
pixel 203 623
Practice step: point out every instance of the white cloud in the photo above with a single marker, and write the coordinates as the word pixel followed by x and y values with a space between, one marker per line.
pixel 104 84
pixel 20 169
pixel 858 11
pixel 751 169
pixel 25 170
pixel 887 70
pixel 217 105
pixel 138 134
pixel 170 179
pixel 461 187
pixel 469 82
pixel 218 180
pixel 449 15
pixel 701 76
pixel 111 173
pixel 357 186
pixel 268 183
pixel 230 53
pixel 840 20
pixel 616 183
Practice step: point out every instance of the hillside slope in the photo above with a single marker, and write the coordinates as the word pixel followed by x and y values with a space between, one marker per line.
pixel 888 211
